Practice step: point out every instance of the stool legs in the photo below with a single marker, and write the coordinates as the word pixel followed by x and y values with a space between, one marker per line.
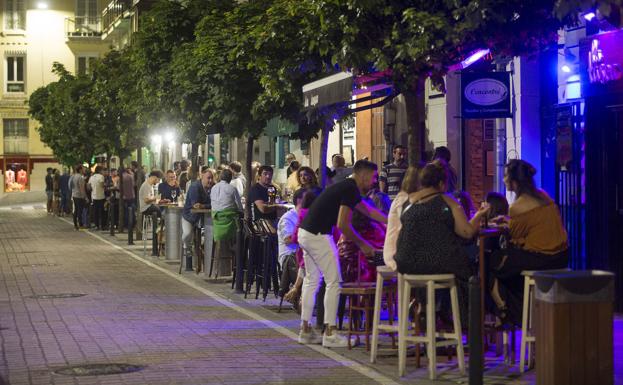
pixel 525 326
pixel 431 350
pixel 378 294
pixel 456 317
pixel 403 323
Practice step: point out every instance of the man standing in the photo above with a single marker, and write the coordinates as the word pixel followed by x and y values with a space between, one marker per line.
pixel 197 197
pixel 238 179
pixel 78 194
pixel 129 199
pixel 49 189
pixel 262 195
pixel 444 154
pixel 96 182
pixel 392 175
pixel 333 206
pixel 226 209
pixel 340 171
pixel 65 192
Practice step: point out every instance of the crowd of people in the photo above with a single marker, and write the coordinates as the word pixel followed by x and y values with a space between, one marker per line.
pixel 411 219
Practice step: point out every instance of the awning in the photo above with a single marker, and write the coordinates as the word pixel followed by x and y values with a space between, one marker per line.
pixel 340 88
pixel 327 91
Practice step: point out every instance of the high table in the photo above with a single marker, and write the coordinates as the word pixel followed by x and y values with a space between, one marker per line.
pixel 207 239
pixel 173 231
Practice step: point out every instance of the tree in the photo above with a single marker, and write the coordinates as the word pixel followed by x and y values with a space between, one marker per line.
pixel 418 39
pixel 67 124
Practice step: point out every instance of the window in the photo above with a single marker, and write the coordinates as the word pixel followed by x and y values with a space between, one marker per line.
pixel 86 13
pixel 14 14
pixel 15 74
pixel 15 136
pixel 85 64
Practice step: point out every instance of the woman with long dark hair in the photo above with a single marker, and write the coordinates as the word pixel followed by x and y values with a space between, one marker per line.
pixel 538 240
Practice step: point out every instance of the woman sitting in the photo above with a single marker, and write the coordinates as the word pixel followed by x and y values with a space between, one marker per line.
pixel 306 178
pixel 538 240
pixel 409 185
pixel 433 225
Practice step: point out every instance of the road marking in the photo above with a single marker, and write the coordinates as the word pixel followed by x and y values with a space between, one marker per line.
pixel 356 366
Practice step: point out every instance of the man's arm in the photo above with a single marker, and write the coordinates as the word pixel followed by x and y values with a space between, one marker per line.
pixel 344 223
pixel 237 199
pixel 371 212
pixel 383 181
pixel 264 207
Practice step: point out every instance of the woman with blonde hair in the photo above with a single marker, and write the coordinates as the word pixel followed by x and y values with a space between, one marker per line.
pixel 409 185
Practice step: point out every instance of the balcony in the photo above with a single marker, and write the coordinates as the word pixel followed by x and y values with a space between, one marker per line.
pixel 114 12
pixel 15 145
pixel 80 28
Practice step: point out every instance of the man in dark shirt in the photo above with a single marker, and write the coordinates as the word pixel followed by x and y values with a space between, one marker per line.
pixel 49 189
pixel 333 206
pixel 261 196
pixel 392 175
pixel 169 187
pixel 197 197
pixel 65 192
pixel 444 154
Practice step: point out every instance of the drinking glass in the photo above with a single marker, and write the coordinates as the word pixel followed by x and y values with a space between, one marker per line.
pixel 174 195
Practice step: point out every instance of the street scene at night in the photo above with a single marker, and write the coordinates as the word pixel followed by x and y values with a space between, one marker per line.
pixel 311 192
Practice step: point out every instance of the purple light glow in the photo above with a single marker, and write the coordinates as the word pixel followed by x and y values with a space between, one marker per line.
pixel 589 16
pixel 565 68
pixel 479 54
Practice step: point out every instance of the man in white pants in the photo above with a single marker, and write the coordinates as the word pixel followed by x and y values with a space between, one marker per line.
pixel 333 206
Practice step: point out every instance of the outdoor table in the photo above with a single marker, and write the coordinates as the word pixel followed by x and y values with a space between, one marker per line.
pixel 173 230
pixel 207 239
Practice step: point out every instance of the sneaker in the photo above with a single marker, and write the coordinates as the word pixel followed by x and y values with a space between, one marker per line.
pixel 312 337
pixel 334 341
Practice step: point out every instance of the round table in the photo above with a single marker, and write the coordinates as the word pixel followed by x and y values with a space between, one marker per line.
pixel 173 231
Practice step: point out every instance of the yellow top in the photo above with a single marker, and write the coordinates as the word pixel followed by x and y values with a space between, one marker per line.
pixel 539 230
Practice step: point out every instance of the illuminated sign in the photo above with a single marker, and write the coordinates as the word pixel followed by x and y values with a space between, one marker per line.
pixel 601 70
pixel 485 95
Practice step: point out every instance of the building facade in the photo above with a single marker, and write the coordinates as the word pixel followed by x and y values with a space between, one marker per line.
pixel 34 36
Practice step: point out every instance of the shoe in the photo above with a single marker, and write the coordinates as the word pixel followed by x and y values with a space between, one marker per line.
pixel 312 337
pixel 334 341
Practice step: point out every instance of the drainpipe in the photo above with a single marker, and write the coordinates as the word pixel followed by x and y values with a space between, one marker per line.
pixel 500 143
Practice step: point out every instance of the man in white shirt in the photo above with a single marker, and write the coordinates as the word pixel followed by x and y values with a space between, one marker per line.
pixel 96 184
pixel 238 180
pixel 146 197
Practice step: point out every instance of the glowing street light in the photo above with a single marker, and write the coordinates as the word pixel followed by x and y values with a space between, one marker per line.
pixel 565 68
pixel 42 5
pixel 589 16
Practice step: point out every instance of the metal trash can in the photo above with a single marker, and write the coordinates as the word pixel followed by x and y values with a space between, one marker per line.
pixel 573 324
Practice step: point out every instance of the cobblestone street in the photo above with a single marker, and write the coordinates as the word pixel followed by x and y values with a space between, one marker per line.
pixel 180 329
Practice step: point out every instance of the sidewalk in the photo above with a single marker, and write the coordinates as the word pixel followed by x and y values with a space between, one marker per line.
pixel 180 328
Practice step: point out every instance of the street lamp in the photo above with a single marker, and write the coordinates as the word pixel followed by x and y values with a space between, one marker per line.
pixel 42 5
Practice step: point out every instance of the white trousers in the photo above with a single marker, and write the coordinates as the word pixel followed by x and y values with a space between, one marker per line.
pixel 187 235
pixel 321 260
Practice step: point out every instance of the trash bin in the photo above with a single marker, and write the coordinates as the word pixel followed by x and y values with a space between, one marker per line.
pixel 573 321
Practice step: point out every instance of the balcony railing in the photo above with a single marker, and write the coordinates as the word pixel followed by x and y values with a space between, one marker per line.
pixel 15 145
pixel 114 10
pixel 81 27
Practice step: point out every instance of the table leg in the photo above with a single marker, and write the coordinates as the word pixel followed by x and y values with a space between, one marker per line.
pixel 483 285
pixel 207 243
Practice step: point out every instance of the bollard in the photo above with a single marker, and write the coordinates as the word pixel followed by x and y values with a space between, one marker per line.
pixel 130 225
pixel 476 361
pixel 111 214
pixel 239 279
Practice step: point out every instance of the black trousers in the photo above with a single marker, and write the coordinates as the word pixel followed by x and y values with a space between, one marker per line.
pixel 79 204
pixel 98 213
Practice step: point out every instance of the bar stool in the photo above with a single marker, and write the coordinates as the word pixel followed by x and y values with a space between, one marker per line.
pixel 359 296
pixel 147 223
pixel 384 274
pixel 431 283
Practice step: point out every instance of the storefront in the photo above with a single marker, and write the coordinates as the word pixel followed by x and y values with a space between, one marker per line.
pixel 16 171
pixel 601 71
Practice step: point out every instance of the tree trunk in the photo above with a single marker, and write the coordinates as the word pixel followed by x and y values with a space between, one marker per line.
pixel 249 160
pixel 194 159
pixel 139 156
pixel 324 144
pixel 416 124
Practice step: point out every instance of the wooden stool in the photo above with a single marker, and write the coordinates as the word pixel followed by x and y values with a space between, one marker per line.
pixel 431 283
pixel 360 298
pixel 384 274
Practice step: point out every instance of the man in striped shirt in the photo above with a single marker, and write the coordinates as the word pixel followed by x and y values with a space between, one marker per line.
pixel 391 177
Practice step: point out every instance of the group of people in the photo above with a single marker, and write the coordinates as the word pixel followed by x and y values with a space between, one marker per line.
pixel 337 235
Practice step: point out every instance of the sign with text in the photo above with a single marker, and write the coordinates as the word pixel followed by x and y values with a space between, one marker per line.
pixel 485 95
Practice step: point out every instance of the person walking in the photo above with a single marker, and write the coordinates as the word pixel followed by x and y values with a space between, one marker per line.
pixel 96 182
pixel 65 190
pixel 390 179
pixel 333 206
pixel 129 198
pixel 78 194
